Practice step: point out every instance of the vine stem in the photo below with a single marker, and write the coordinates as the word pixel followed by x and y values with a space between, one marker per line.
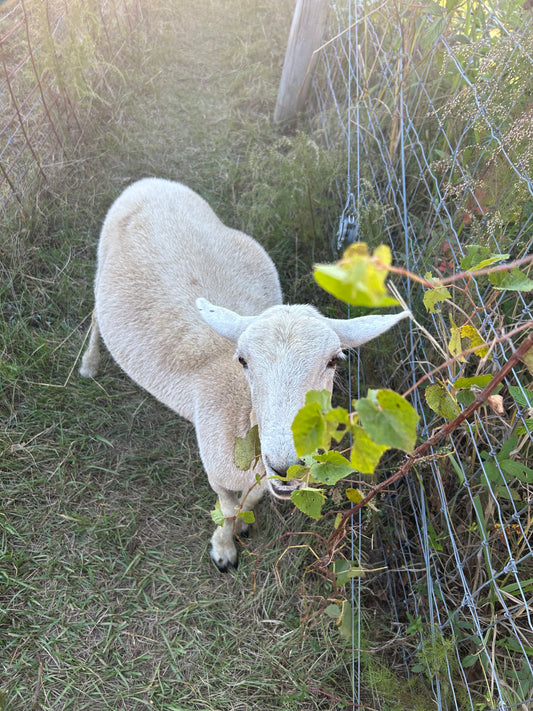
pixel 443 432
pixel 468 274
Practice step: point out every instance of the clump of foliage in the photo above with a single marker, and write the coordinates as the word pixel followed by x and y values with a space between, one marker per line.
pixel 337 446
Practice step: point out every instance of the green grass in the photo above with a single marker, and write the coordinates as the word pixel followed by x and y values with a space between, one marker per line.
pixel 108 597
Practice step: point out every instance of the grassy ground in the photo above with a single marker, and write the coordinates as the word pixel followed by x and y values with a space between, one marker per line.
pixel 108 598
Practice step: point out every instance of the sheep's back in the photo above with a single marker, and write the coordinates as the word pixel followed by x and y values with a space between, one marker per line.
pixel 162 247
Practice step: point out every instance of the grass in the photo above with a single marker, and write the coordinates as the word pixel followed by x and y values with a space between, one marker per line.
pixel 108 598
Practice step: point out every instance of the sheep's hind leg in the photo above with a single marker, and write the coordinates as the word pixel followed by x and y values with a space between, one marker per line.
pixel 223 548
pixel 91 357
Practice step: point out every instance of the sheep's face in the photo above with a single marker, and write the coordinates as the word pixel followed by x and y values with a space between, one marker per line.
pixel 285 352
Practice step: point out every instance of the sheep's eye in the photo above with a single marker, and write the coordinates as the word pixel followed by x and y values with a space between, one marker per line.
pixel 333 362
pixel 243 362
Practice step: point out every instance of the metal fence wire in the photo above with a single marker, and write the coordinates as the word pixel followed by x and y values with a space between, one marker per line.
pixel 433 103
pixel 54 56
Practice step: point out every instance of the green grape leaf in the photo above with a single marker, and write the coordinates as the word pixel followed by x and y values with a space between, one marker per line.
pixel 247 449
pixel 310 501
pixel 478 257
pixel 488 262
pixel 246 516
pixel 480 381
pixel 358 278
pixel 440 401
pixel 465 397
pixel 217 515
pixel 317 423
pixel 329 468
pixel 294 472
pixel 434 296
pixel 515 280
pixel 365 454
pixel 338 415
pixel 454 346
pixel 322 397
pixel 388 419
pixel 309 430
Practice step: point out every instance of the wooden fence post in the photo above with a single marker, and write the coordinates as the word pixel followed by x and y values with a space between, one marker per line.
pixel 307 30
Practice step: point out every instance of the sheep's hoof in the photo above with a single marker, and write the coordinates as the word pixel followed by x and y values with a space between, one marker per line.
pixel 223 551
pixel 242 529
pixel 224 566
pixel 223 563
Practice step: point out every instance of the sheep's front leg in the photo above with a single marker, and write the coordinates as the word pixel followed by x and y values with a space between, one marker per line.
pixel 247 502
pixel 223 549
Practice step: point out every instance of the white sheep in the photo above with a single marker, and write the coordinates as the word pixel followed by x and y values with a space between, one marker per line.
pixel 192 311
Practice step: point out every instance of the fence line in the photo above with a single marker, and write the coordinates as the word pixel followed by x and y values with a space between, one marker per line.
pixel 432 104
pixel 47 78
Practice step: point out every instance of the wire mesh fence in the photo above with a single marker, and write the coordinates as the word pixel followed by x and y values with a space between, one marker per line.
pixel 434 105
pixel 53 58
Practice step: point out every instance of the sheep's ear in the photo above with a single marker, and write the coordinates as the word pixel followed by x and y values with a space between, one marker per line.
pixel 224 321
pixel 354 332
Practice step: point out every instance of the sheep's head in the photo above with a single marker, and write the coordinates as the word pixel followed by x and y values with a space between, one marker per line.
pixel 285 352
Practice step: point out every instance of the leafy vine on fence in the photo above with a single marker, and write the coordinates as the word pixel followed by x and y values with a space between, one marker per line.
pixel 333 442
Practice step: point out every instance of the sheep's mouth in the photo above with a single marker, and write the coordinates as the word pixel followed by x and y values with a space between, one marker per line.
pixel 283 490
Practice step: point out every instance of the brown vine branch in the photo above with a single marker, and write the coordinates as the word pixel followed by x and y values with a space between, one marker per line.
pixel 468 274
pixel 446 430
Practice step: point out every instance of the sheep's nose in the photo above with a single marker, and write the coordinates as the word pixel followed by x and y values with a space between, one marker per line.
pixel 281 470
pixel 282 489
